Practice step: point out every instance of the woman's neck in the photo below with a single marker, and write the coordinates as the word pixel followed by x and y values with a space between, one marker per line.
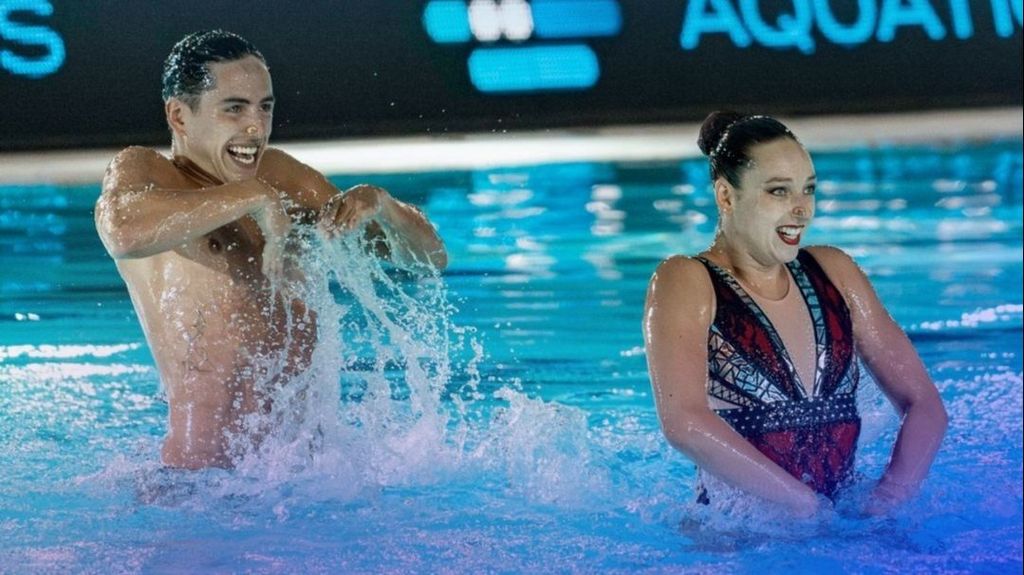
pixel 767 280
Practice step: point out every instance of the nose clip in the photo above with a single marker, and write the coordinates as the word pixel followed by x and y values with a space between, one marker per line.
pixel 252 130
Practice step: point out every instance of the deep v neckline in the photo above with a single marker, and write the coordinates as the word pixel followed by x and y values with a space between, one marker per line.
pixel 794 271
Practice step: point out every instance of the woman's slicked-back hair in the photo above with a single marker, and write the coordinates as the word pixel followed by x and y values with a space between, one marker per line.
pixel 186 71
pixel 726 138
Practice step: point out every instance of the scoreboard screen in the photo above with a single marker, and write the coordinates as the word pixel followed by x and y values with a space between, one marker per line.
pixel 81 74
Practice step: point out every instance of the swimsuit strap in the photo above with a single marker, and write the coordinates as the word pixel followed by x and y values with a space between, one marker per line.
pixel 831 316
pixel 748 364
pixel 748 352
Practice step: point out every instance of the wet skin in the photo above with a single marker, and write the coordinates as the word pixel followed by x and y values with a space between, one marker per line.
pixel 761 223
pixel 202 240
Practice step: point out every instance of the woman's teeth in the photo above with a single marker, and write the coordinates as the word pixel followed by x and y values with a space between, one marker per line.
pixel 789 234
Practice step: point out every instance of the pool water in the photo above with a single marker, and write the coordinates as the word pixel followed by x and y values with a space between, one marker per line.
pixel 510 426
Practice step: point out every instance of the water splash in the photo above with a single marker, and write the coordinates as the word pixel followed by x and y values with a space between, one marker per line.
pixel 392 399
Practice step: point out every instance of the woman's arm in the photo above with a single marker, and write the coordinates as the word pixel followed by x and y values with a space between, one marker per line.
pixel 889 355
pixel 677 318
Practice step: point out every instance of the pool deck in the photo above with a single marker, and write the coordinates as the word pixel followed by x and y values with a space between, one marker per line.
pixel 620 143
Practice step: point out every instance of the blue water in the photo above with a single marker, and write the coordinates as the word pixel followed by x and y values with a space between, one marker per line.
pixel 541 452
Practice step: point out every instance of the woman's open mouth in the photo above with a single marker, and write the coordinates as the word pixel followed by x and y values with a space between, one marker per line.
pixel 790 235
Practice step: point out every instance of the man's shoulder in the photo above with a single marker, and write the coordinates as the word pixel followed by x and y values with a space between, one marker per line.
pixel 139 154
pixel 278 164
pixel 138 165
pixel 285 172
pixel 275 159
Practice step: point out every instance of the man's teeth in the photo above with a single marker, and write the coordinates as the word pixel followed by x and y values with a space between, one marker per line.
pixel 244 154
pixel 791 232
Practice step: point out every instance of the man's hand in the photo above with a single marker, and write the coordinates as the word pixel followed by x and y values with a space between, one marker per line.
pixel 346 212
pixel 398 232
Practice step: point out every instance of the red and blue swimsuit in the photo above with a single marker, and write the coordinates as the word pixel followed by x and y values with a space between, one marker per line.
pixel 813 437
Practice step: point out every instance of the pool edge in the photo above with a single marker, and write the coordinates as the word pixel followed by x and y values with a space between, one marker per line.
pixel 487 150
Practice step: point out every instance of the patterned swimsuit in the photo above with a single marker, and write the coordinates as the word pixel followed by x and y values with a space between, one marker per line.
pixel 813 438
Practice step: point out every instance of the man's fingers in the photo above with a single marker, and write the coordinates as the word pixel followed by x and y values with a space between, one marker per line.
pixel 343 217
pixel 346 220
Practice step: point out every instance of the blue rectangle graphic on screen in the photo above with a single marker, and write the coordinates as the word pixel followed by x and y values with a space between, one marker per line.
pixel 576 18
pixel 535 68
pixel 447 21
pixel 457 21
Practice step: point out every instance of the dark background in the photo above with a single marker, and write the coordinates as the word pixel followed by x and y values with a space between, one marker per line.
pixel 360 67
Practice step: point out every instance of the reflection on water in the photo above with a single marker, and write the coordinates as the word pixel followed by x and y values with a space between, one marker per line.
pixel 499 418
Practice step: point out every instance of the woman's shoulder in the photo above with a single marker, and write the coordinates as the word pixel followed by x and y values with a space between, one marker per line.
pixel 838 265
pixel 681 293
pixel 684 279
pixel 825 254
pixel 830 256
pixel 682 268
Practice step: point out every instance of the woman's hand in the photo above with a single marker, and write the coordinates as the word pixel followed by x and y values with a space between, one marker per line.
pixel 888 495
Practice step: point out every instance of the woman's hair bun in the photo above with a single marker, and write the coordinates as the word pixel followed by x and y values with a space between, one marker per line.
pixel 713 128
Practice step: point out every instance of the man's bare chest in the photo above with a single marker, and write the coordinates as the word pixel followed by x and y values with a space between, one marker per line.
pixel 241 237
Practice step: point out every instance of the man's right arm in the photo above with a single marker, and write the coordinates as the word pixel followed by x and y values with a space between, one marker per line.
pixel 143 209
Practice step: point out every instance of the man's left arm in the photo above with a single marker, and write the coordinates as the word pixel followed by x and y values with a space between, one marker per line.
pixel 397 231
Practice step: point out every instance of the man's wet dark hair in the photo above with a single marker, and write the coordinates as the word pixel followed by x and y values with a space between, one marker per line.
pixel 186 70
pixel 726 138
